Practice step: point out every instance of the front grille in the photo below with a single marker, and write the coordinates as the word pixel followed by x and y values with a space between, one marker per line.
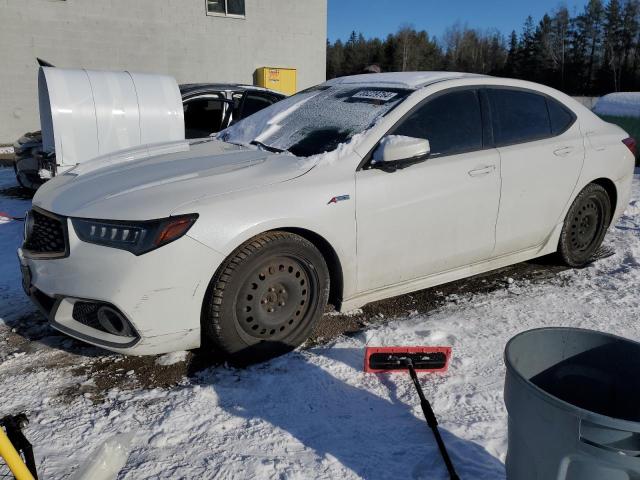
pixel 46 235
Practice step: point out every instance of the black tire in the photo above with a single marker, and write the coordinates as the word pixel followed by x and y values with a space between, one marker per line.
pixel 24 180
pixel 265 298
pixel 585 226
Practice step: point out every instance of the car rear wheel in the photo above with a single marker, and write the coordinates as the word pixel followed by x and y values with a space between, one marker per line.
pixel 266 297
pixel 585 226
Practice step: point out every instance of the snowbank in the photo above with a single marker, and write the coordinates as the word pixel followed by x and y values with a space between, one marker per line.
pixel 626 104
pixel 171 358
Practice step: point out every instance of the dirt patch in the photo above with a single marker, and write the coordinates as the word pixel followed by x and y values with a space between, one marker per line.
pixel 334 324
pixel 128 373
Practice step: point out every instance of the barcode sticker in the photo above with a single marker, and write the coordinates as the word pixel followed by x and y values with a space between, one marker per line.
pixel 380 95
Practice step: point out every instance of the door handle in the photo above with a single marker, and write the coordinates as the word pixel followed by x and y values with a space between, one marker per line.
pixel 563 151
pixel 478 172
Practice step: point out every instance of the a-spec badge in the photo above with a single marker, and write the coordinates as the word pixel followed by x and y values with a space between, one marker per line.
pixel 339 198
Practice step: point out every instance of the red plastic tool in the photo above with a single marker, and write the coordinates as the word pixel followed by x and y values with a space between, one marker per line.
pixel 425 359
pixel 413 360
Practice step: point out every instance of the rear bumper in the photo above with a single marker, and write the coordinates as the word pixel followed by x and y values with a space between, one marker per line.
pixel 623 187
pixel 160 294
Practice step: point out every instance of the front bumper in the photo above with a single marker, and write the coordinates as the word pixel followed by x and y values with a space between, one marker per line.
pixel 159 293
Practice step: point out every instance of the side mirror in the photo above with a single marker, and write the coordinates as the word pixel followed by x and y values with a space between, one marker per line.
pixel 397 151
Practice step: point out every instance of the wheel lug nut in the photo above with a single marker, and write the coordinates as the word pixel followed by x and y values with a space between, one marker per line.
pixel 281 304
pixel 282 291
pixel 270 310
pixel 263 301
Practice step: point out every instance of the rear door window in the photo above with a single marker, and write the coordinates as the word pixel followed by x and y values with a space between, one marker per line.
pixel 518 116
pixel 254 103
pixel 203 116
pixel 452 122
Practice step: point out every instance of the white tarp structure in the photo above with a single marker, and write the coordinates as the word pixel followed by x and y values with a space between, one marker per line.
pixel 87 113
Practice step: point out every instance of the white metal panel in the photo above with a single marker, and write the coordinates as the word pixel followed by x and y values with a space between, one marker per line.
pixel 87 113
pixel 117 113
pixel 72 114
pixel 160 104
pixel 426 219
pixel 538 180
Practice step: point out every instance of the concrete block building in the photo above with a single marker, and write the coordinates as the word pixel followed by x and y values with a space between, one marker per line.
pixel 192 40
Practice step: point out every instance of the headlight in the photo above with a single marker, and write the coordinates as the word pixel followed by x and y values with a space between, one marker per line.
pixel 135 237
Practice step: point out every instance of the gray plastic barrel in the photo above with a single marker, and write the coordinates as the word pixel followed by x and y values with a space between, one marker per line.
pixel 573 398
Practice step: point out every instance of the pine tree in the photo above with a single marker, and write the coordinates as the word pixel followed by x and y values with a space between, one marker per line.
pixel 542 61
pixel 512 65
pixel 612 55
pixel 629 36
pixel 586 40
pixel 527 49
pixel 559 42
pixel 335 59
pixel 595 52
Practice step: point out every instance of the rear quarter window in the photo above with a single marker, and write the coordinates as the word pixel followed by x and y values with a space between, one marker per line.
pixel 518 116
pixel 561 118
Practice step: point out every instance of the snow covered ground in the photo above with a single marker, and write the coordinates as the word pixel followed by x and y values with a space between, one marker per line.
pixel 623 104
pixel 312 413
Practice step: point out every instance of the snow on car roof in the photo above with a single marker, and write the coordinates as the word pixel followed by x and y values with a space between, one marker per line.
pixel 413 80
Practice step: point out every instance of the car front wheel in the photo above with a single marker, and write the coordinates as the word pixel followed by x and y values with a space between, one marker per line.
pixel 585 226
pixel 266 297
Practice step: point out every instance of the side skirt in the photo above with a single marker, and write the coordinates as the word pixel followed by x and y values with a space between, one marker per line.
pixel 429 281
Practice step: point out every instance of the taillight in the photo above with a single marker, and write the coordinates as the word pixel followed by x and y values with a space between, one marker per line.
pixel 631 145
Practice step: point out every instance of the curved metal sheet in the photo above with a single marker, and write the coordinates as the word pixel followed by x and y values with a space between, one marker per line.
pixel 87 113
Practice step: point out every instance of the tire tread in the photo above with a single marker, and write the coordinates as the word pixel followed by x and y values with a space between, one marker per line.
pixel 212 331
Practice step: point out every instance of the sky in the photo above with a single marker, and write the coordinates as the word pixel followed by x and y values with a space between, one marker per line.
pixel 377 18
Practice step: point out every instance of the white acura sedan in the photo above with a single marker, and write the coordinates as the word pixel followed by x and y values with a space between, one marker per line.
pixel 359 189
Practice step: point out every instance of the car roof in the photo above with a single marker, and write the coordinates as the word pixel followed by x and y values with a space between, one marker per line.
pixel 190 88
pixel 412 80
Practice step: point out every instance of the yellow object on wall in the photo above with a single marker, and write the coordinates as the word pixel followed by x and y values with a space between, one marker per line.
pixel 280 79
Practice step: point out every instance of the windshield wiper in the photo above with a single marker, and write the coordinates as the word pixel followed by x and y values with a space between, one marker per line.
pixel 268 148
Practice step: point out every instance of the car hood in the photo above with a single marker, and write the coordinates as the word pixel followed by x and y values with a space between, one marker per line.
pixel 152 181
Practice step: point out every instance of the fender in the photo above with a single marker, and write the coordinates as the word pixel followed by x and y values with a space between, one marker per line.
pixel 229 220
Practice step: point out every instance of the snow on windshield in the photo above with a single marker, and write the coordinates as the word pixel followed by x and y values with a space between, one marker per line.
pixel 318 120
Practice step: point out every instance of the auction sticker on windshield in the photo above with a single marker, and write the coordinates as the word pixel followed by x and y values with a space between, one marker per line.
pixel 379 95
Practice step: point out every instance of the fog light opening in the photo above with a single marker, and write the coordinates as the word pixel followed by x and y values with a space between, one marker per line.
pixel 113 322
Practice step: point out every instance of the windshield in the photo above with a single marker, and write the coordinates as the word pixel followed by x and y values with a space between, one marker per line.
pixel 317 120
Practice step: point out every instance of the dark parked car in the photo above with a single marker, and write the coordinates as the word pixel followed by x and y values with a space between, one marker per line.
pixel 208 108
